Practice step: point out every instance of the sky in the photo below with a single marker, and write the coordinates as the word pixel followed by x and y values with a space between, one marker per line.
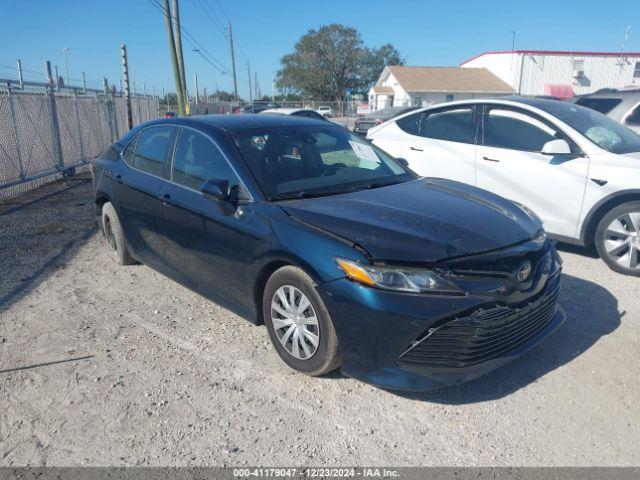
pixel 434 33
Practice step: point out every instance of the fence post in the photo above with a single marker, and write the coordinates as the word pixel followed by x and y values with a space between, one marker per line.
pixel 101 133
pixel 55 128
pixel 125 77
pixel 15 131
pixel 77 105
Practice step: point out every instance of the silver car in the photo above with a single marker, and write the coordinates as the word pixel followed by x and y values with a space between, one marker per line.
pixel 621 105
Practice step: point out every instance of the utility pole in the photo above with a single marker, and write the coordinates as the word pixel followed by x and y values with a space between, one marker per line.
pixel 84 83
pixel 20 77
pixel 125 78
pixel 233 64
pixel 250 89
pixel 178 34
pixel 195 81
pixel 65 50
pixel 255 86
pixel 174 59
pixel 55 69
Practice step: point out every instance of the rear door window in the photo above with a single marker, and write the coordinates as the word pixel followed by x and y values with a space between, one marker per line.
pixel 453 125
pixel 152 148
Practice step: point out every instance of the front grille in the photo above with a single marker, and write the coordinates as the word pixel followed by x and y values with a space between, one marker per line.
pixel 483 335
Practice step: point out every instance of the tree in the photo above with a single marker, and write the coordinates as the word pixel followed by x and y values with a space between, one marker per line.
pixel 328 61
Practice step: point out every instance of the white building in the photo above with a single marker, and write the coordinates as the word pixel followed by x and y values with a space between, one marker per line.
pixel 404 86
pixel 560 73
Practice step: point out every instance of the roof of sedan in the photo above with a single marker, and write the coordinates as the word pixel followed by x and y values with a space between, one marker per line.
pixel 234 123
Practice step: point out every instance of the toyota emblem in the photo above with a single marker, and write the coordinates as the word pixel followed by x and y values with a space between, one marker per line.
pixel 524 271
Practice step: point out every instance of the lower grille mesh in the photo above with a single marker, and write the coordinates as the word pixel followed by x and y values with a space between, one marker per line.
pixel 464 342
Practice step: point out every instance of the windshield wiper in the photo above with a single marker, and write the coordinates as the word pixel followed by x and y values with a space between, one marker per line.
pixel 369 186
pixel 302 194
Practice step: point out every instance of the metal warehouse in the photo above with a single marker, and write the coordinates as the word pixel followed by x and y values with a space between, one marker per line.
pixel 560 73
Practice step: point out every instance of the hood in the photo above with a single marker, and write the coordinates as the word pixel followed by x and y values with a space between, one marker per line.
pixel 635 155
pixel 420 221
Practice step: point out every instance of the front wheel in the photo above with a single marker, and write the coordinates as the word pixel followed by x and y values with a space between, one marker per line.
pixel 298 323
pixel 618 238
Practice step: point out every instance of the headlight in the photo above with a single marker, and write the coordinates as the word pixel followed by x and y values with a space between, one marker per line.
pixel 400 279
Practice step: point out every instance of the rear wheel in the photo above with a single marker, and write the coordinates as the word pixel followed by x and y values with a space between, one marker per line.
pixel 114 236
pixel 618 238
pixel 298 323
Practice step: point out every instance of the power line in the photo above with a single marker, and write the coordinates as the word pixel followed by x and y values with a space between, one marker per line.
pixel 210 14
pixel 214 62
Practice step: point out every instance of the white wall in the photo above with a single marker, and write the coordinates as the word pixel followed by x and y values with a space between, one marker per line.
pixel 539 70
pixel 431 98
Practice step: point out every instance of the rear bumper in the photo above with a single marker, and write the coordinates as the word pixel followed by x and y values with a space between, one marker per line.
pixel 376 329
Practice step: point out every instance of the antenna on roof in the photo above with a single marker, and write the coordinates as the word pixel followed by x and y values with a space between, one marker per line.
pixel 627 34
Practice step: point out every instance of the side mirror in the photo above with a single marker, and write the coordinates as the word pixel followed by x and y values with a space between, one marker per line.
pixel 556 147
pixel 216 189
pixel 402 161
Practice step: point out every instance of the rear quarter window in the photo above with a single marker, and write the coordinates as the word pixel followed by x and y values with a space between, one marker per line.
pixel 410 123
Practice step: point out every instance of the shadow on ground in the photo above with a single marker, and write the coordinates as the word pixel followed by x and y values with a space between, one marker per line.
pixel 40 231
pixel 592 312
pixel 578 250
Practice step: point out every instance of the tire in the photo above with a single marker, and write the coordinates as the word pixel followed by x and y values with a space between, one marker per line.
pixel 325 356
pixel 112 230
pixel 618 238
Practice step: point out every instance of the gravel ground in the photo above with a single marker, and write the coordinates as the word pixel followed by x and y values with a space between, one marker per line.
pixel 107 365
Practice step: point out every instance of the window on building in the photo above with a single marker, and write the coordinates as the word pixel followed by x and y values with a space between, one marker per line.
pixel 516 130
pixel 197 160
pixel 152 148
pixel 636 70
pixel 418 101
pixel 453 125
pixel 450 98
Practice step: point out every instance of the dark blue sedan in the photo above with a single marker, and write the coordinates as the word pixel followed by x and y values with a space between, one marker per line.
pixel 347 257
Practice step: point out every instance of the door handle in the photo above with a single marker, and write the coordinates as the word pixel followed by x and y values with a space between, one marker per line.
pixel 165 199
pixel 416 149
pixel 117 177
pixel 491 159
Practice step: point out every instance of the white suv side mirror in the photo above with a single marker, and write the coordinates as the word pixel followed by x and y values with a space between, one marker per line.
pixel 556 147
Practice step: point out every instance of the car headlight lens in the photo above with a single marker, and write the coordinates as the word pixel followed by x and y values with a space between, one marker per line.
pixel 400 279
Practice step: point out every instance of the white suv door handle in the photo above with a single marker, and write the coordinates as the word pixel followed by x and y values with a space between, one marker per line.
pixel 491 159
pixel 416 149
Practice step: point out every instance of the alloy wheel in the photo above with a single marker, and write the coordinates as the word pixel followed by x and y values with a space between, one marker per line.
pixel 295 322
pixel 622 240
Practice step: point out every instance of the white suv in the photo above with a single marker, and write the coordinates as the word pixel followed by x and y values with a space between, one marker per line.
pixel 578 170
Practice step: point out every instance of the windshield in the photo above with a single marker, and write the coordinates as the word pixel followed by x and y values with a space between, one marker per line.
pixel 601 130
pixel 307 161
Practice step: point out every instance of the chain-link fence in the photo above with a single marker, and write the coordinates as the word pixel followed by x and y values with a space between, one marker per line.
pixel 44 132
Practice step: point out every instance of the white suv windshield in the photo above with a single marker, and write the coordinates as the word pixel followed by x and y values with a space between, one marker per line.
pixel 601 130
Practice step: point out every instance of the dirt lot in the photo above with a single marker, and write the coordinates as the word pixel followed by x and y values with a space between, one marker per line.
pixel 109 365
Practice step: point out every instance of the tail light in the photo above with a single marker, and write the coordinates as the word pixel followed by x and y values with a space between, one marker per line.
pixel 378 121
